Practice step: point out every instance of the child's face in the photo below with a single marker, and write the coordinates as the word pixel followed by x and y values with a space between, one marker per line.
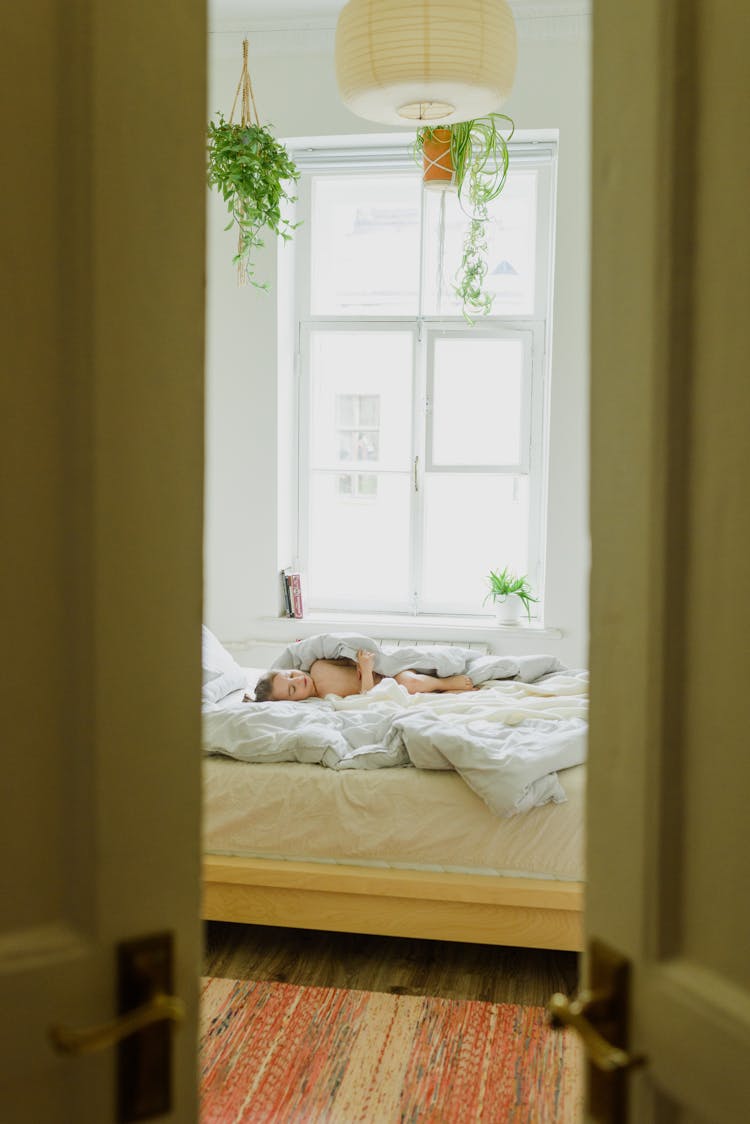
pixel 292 686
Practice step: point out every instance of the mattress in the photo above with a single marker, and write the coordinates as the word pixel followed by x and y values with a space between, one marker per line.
pixel 402 818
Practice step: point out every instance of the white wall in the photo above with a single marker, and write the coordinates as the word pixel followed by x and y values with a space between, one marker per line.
pixel 295 90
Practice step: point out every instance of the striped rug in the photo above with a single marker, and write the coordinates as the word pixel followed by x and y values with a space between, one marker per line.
pixel 279 1053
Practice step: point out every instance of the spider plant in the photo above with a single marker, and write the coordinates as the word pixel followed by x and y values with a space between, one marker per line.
pixel 504 582
pixel 480 157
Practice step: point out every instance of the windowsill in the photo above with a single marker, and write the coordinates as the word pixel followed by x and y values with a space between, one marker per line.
pixel 400 626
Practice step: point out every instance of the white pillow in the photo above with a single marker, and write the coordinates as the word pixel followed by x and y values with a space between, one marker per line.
pixel 221 672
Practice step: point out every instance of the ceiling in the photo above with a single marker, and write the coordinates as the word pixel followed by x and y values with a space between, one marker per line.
pixel 264 11
pixel 321 13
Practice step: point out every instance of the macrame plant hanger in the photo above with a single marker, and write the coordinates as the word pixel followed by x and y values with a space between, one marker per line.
pixel 244 94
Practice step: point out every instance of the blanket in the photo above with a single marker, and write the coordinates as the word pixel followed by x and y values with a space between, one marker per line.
pixel 440 659
pixel 506 740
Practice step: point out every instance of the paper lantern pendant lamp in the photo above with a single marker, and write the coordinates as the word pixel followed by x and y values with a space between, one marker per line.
pixel 405 61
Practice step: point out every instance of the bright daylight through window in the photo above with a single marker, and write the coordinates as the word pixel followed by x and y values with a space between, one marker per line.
pixel 422 438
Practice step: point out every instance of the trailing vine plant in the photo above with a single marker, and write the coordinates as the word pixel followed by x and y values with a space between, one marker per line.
pixel 253 172
pixel 480 158
pixel 470 276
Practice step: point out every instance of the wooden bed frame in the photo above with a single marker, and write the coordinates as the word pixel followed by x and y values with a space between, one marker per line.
pixel 525 912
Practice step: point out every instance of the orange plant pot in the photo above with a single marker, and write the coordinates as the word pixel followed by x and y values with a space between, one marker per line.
pixel 438 164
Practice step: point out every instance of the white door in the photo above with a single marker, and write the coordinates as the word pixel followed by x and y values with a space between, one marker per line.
pixel 101 208
pixel 669 829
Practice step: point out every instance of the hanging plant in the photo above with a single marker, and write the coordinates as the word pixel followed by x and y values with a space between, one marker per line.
pixel 435 145
pixel 469 286
pixel 252 171
pixel 480 160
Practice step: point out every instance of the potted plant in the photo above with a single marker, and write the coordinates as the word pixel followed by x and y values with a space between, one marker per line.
pixel 437 159
pixel 477 153
pixel 509 594
pixel 251 170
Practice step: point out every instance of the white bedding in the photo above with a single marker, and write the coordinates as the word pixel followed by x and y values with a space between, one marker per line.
pixel 506 740
pixel 440 659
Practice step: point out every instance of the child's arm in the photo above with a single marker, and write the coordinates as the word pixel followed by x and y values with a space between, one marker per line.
pixel 336 677
pixel 365 662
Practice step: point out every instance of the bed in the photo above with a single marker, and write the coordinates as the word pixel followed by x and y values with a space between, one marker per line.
pixel 397 851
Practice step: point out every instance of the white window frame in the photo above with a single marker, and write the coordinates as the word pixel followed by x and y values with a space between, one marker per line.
pixel 352 155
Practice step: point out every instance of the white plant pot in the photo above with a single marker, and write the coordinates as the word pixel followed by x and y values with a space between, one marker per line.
pixel 508 609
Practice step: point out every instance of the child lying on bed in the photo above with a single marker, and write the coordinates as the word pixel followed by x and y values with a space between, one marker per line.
pixel 345 677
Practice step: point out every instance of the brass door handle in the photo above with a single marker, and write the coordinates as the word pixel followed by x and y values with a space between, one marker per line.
pixel 160 1008
pixel 572 1012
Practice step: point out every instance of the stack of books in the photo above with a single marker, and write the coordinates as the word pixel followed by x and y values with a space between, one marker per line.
pixel 292 591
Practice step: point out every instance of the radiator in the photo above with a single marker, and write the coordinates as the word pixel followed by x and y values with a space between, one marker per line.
pixel 262 653
pixel 475 645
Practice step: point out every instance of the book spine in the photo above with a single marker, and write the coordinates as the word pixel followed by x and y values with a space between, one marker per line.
pixel 296 591
pixel 286 594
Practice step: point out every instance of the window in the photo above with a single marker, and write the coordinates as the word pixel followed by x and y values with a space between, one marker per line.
pixel 358 430
pixel 421 447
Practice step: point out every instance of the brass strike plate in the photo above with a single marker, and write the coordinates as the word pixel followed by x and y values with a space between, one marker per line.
pixel 144 1059
pixel 609 974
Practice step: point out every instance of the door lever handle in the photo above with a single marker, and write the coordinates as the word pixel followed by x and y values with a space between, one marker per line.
pixel 573 1012
pixel 73 1043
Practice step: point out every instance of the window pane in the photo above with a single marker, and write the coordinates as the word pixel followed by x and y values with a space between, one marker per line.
pixel 360 414
pixel 365 244
pixel 357 485
pixel 473 523
pixel 367 485
pixel 369 410
pixel 346 409
pixel 361 399
pixel 511 257
pixel 356 445
pixel 359 538
pixel 477 406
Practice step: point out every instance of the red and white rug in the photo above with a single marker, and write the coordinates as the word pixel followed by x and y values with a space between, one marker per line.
pixel 279 1053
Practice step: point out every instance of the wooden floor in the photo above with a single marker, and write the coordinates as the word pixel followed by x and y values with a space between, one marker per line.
pixel 401 966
